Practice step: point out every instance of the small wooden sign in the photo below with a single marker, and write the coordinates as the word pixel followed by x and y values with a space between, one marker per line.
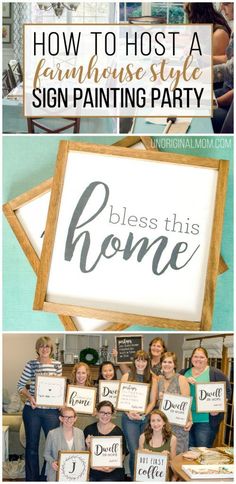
pixel 211 397
pixel 73 466
pixel 176 408
pixel 150 466
pixel 50 391
pixel 127 346
pixel 82 399
pixel 106 451
pixel 133 397
pixel 108 390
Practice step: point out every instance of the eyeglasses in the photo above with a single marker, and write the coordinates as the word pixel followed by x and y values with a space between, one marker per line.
pixel 44 346
pixel 68 418
pixel 105 414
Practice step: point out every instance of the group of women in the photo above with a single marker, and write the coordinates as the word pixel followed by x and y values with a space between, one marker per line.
pixel 150 430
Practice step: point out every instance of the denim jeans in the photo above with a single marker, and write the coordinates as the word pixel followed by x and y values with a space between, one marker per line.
pixel 132 430
pixel 34 420
pixel 202 435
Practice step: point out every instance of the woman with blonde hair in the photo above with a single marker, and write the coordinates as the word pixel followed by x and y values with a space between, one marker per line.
pixel 37 418
pixel 134 423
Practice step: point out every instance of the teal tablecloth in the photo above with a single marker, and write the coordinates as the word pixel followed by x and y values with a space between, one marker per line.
pixel 15 122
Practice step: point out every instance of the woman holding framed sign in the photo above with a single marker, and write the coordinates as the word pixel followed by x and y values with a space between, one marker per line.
pixel 172 383
pixel 66 437
pixel 35 418
pixel 105 427
pixel 158 435
pixel 205 425
pixel 134 423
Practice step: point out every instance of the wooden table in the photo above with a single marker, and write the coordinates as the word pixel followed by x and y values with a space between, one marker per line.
pixel 176 466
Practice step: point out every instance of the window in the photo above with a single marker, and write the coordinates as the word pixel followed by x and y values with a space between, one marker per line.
pixel 93 12
pixel 166 12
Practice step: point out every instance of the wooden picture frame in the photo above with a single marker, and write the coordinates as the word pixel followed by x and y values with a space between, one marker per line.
pixel 205 403
pixel 50 391
pixel 6 10
pixel 73 466
pixel 150 466
pixel 6 33
pixel 73 157
pixel 108 391
pixel 100 457
pixel 133 397
pixel 176 408
pixel 81 399
pixel 126 346
pixel 29 241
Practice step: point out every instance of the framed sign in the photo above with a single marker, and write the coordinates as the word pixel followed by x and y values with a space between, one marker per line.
pixel 95 229
pixel 108 390
pixel 150 466
pixel 50 391
pixel 176 408
pixel 73 466
pixel 211 397
pixel 106 452
pixel 133 397
pixel 82 399
pixel 126 347
pixel 29 231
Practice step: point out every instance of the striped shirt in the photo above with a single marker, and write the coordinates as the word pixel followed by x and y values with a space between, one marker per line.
pixel 34 368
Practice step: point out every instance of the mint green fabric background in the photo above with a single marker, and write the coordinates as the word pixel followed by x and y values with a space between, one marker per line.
pixel 29 160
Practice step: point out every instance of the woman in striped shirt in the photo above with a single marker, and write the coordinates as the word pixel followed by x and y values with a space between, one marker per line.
pixel 34 417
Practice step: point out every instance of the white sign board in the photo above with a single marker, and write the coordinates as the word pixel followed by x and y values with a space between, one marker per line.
pixel 211 397
pixel 157 244
pixel 108 390
pixel 133 397
pixel 50 391
pixel 106 451
pixel 73 466
pixel 150 466
pixel 81 399
pixel 176 408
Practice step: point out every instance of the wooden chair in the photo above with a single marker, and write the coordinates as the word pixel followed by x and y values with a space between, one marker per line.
pixel 15 72
pixel 34 123
pixel 6 83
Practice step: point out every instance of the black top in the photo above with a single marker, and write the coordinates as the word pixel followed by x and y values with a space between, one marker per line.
pixel 118 473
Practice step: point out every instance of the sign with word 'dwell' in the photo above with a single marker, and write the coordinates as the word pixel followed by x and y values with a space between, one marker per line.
pixel 211 397
pixel 150 466
pixel 108 390
pixel 73 466
pixel 126 257
pixel 106 451
pixel 82 399
pixel 176 408
pixel 126 347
